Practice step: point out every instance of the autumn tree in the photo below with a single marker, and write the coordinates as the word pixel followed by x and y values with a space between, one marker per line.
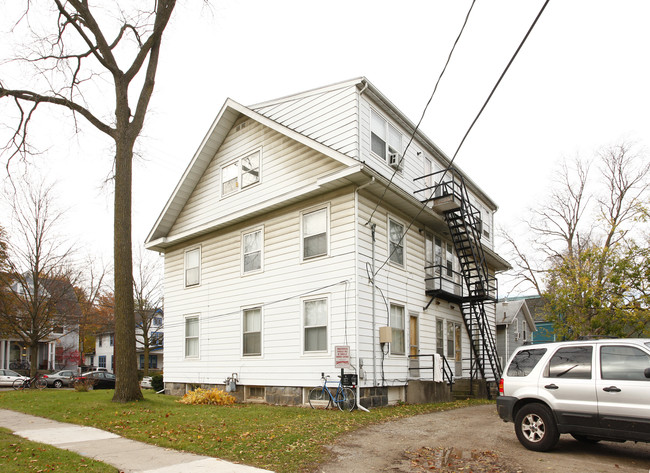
pixel 147 293
pixel 92 295
pixel 98 62
pixel 39 296
pixel 584 257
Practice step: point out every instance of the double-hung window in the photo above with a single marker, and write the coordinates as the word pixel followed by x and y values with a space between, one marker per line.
pixel 192 336
pixel 315 324
pixel 252 332
pixel 252 251
pixel 314 234
pixel 397 326
pixel 241 173
pixel 384 138
pixel 111 339
pixel 396 242
pixel 193 267
pixel 102 361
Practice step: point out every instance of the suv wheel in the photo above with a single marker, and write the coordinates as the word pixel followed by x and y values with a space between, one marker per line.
pixel 535 427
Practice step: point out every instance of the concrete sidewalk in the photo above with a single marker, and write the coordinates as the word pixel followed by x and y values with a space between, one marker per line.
pixel 128 456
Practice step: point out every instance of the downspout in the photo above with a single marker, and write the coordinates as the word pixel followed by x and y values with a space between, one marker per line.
pixel 356 286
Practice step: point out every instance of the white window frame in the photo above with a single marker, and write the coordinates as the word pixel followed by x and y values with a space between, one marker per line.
pixel 186 268
pixel 239 184
pixel 390 145
pixel 397 331
pixel 244 332
pixel 197 337
pixel 304 327
pixel 261 250
pixel 440 336
pixel 313 210
pixel 402 244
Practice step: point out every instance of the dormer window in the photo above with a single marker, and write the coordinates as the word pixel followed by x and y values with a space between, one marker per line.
pixel 385 140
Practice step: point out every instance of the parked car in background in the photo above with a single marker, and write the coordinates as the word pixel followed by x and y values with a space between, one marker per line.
pixel 98 379
pixel 7 377
pixel 60 378
pixel 146 382
pixel 592 389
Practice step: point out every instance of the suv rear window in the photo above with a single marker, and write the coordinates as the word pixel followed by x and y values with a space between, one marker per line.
pixel 570 362
pixel 524 361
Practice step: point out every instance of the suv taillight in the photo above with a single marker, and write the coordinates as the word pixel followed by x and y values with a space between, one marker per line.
pixel 501 387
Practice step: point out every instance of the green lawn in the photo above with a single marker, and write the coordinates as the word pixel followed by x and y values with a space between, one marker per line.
pixel 18 455
pixel 283 439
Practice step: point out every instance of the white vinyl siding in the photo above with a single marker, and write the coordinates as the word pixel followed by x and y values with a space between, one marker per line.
pixel 314 233
pixel 285 165
pixel 193 267
pixel 252 331
pixel 192 336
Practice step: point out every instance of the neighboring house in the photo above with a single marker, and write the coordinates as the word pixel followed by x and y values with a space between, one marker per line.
pixel 272 236
pixel 104 355
pixel 515 327
pixel 545 328
pixel 58 350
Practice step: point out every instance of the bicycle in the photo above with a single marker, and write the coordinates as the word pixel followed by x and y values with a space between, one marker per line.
pixel 35 382
pixel 344 397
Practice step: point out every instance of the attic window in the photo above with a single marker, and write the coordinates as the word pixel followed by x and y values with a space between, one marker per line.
pixel 385 140
pixel 239 174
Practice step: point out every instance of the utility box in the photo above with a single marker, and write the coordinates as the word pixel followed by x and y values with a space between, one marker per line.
pixel 385 334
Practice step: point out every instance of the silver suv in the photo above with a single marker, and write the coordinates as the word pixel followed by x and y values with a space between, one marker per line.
pixel 593 389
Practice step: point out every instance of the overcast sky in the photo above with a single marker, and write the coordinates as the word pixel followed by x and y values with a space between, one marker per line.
pixel 581 82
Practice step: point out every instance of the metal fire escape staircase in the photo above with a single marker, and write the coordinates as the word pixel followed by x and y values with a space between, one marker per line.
pixel 450 197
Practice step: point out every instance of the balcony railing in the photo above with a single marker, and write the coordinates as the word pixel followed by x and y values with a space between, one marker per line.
pixel 448 284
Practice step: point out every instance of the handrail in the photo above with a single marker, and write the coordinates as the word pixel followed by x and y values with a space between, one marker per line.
pixel 447 374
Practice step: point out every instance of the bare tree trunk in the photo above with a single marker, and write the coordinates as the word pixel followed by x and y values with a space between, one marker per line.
pixel 33 359
pixel 126 387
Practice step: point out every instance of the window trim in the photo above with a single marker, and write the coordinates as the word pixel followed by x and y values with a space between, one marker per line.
pixel 198 337
pixel 394 329
pixel 185 267
pixel 261 331
pixel 311 210
pixel 238 160
pixel 328 325
pixel 261 250
pixel 403 242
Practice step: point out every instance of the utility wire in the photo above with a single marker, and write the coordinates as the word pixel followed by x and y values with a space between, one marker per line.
pixel 423 112
pixel 530 29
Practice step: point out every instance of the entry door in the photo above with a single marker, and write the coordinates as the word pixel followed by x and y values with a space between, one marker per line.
pixel 458 354
pixel 414 336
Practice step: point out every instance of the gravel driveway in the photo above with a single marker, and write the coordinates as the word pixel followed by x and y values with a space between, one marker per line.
pixel 473 439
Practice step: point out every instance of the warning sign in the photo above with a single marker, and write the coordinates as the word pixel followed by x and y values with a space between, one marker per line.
pixel 342 356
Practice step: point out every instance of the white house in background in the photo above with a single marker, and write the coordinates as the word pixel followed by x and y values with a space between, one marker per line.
pixel 272 237
pixel 104 355
pixel 515 325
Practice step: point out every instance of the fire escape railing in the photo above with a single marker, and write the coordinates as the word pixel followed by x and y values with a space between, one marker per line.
pixel 451 198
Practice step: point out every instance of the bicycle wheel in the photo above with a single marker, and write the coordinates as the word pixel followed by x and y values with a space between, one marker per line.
pixel 319 398
pixel 40 383
pixel 19 384
pixel 345 399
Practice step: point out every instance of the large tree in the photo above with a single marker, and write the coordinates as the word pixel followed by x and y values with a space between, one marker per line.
pixel 584 256
pixel 90 47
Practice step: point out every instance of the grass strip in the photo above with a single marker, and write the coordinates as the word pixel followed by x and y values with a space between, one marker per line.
pixel 279 438
pixel 18 455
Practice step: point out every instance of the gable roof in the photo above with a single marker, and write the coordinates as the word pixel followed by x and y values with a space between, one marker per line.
pixel 222 124
pixel 507 311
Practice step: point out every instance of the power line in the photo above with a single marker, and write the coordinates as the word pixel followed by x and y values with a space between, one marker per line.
pixel 530 29
pixel 451 52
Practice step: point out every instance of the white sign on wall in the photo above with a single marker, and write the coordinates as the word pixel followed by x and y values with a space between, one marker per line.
pixel 342 356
